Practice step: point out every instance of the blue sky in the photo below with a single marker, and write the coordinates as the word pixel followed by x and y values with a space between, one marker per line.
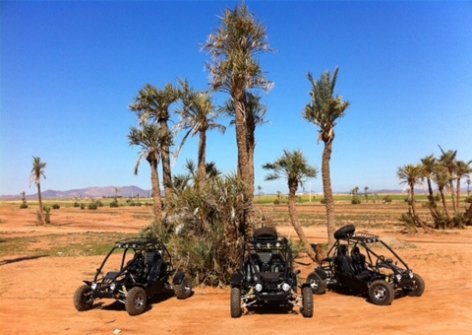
pixel 69 70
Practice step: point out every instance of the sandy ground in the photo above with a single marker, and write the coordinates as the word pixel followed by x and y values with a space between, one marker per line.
pixel 36 295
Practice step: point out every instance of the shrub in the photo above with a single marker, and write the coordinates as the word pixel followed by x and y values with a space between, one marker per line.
pixel 355 201
pixel 387 199
pixel 132 203
pixel 24 205
pixel 323 201
pixel 76 204
pixel 114 203
pixel 99 203
pixel 92 206
pixel 56 206
pixel 82 206
pixel 276 202
pixel 469 199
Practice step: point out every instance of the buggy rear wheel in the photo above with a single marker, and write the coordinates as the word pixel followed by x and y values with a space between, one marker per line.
pixel 235 302
pixel 418 286
pixel 307 302
pixel 184 289
pixel 317 284
pixel 83 298
pixel 381 292
pixel 136 301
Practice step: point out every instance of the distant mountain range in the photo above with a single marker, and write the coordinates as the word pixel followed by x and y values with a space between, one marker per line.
pixel 89 192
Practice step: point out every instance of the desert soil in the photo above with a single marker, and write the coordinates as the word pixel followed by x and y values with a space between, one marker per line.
pixel 36 294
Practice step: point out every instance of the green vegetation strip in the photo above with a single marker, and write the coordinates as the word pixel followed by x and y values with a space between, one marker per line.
pixel 62 245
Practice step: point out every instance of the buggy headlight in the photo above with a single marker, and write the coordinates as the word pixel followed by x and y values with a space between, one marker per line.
pixel 277 244
pixel 112 286
pixel 285 287
pixel 258 287
pixel 410 274
pixel 93 285
pixel 398 277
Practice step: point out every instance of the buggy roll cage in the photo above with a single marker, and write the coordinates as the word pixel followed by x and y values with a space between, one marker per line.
pixel 270 245
pixel 365 239
pixel 135 244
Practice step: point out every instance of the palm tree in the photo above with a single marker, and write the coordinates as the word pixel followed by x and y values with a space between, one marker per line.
pixel 324 110
pixel 198 116
pixel 411 175
pixel 148 138
pixel 448 160
pixel 366 195
pixel 152 103
pixel 36 173
pixel 429 163
pixel 235 70
pixel 462 169
pixel 441 178
pixel 294 167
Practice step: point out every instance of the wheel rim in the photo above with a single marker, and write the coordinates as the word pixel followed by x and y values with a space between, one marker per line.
pixel 139 302
pixel 313 284
pixel 380 293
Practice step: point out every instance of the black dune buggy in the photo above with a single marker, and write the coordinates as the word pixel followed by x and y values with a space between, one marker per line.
pixel 355 265
pixel 145 269
pixel 267 277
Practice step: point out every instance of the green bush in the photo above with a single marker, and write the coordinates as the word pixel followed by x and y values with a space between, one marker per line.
pixel 114 203
pixel 24 205
pixel 469 199
pixel 92 206
pixel 323 201
pixel 99 203
pixel 56 206
pixel 82 206
pixel 387 199
pixel 355 201
pixel 276 202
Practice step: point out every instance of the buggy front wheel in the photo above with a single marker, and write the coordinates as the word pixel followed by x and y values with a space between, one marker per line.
pixel 236 310
pixel 418 286
pixel 317 284
pixel 184 289
pixel 136 301
pixel 83 299
pixel 307 302
pixel 381 292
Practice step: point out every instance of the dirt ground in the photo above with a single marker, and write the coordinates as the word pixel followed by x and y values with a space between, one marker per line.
pixel 36 294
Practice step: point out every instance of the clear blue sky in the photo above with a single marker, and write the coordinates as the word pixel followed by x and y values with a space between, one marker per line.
pixel 69 70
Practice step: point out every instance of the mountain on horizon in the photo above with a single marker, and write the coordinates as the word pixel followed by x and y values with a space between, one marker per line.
pixel 88 192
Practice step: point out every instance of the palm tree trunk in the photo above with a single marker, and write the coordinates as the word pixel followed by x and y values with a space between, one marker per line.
pixel 413 202
pixel 453 196
pixel 156 191
pixel 201 173
pixel 292 210
pixel 458 193
pixel 40 201
pixel 243 158
pixel 166 169
pixel 327 191
pixel 443 199
pixel 430 191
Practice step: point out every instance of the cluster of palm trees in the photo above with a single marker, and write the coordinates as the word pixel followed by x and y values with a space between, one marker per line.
pixel 234 70
pixel 447 172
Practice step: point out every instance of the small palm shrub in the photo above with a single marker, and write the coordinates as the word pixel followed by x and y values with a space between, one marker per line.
pixel 23 205
pixel 92 206
pixel 323 201
pixel 114 203
pixel 355 201
pixel 82 206
pixel 56 206
pixel 387 199
pixel 76 204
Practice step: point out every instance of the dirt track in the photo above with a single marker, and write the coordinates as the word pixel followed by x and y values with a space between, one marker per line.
pixel 36 295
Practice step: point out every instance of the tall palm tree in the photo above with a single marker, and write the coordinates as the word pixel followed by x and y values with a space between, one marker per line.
pixel 148 138
pixel 324 110
pixel 441 178
pixel 152 103
pixel 468 186
pixel 366 195
pixel 411 175
pixel 198 116
pixel 36 173
pixel 294 167
pixel 448 160
pixel 462 169
pixel 235 70
pixel 429 163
